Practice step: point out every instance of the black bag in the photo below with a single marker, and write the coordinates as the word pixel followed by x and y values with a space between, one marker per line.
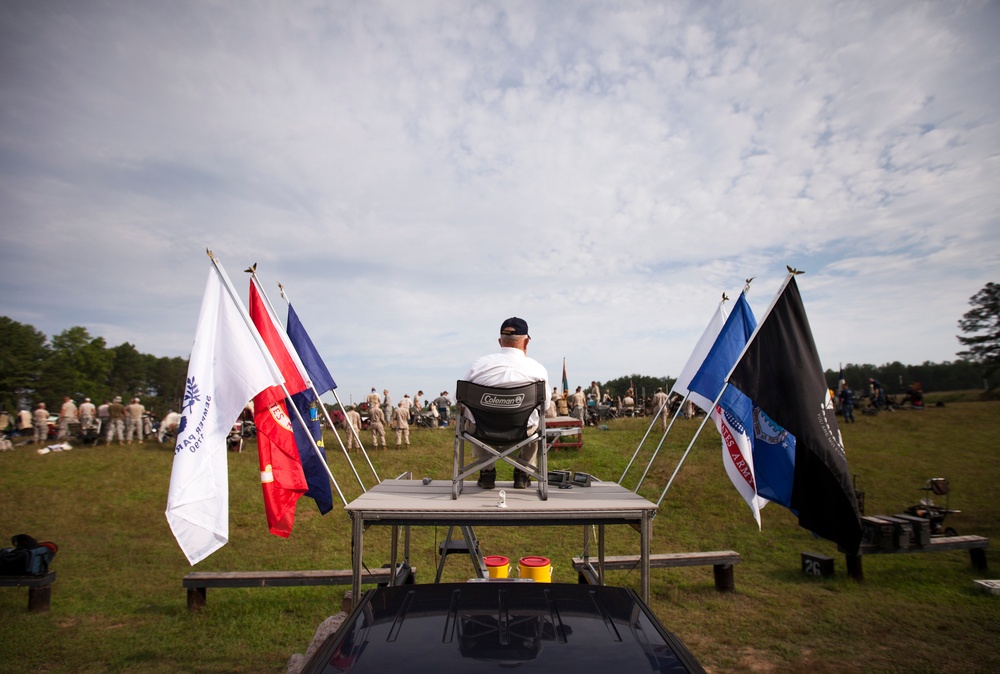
pixel 28 557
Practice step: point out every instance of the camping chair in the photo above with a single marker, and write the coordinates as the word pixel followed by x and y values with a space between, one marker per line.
pixel 500 428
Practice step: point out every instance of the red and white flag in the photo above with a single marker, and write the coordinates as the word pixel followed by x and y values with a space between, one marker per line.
pixel 281 476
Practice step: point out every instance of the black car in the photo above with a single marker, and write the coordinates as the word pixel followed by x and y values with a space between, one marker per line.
pixel 501 624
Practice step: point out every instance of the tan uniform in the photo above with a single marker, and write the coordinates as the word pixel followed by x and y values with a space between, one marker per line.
pixel 401 422
pixel 133 421
pixel 86 413
pixel 67 414
pixel 353 420
pixel 41 419
pixel 579 401
pixel 24 420
pixel 377 425
pixel 116 422
pixel 660 401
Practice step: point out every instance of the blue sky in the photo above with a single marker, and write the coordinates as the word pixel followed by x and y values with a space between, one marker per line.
pixel 415 172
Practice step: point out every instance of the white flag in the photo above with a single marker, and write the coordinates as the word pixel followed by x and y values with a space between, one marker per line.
pixel 226 370
pixel 697 357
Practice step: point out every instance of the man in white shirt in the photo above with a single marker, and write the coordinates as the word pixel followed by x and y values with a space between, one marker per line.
pixel 67 415
pixel 509 367
pixel 86 413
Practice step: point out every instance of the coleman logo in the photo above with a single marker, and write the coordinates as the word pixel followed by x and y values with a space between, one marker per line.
pixel 504 401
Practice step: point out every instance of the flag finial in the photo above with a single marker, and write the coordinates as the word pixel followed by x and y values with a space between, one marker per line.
pixel 746 288
pixel 725 297
pixel 252 269
pixel 793 270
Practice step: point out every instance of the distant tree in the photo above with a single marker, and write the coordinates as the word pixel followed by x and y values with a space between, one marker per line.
pixel 166 382
pixel 23 351
pixel 981 328
pixel 128 375
pixel 617 387
pixel 78 367
pixel 960 375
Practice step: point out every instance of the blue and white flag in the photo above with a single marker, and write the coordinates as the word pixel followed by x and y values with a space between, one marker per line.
pixel 711 333
pixel 227 369
pixel 733 415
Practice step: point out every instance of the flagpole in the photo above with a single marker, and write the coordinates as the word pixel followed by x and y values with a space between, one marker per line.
pixel 708 415
pixel 263 347
pixel 656 418
pixel 305 376
pixel 679 409
pixel 690 445
pixel 658 446
pixel 343 411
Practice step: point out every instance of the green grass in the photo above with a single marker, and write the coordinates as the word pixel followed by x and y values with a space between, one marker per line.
pixel 118 605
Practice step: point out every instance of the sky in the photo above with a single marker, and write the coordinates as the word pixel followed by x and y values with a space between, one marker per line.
pixel 415 172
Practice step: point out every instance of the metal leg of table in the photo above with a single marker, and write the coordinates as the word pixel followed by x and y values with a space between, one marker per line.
pixel 393 551
pixel 646 535
pixel 357 535
pixel 600 552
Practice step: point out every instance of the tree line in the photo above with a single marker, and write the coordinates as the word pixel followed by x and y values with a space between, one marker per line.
pixel 34 369
pixel 961 375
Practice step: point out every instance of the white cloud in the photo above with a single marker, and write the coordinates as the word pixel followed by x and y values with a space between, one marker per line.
pixel 416 172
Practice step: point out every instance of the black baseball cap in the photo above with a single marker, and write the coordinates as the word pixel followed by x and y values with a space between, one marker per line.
pixel 514 326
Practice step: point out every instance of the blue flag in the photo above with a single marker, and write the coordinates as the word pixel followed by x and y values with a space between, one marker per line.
pixel 316 476
pixel 710 378
pixel 306 402
pixel 318 372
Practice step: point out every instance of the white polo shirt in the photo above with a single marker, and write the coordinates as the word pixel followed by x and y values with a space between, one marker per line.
pixel 510 367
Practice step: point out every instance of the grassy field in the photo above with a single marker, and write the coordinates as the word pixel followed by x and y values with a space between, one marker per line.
pixel 118 605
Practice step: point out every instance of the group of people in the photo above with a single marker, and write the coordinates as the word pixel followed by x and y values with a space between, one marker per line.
pixel 876 394
pixel 382 413
pixel 112 418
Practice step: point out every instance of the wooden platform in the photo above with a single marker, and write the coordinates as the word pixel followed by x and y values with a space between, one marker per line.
pixel 411 503
pixel 976 545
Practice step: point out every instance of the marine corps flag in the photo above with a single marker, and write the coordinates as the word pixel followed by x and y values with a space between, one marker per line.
pixel 780 372
pixel 281 475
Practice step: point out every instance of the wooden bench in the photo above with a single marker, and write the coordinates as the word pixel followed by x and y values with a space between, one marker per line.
pixel 198 582
pixel 976 545
pixel 39 588
pixel 722 562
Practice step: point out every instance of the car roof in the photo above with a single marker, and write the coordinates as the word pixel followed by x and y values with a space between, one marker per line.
pixel 490 624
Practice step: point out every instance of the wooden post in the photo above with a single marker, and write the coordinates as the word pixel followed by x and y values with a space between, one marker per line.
pixel 978 558
pixel 724 578
pixel 854 567
pixel 39 598
pixel 196 598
